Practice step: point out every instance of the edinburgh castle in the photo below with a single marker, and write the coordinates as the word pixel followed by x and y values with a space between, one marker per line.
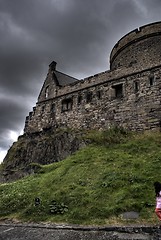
pixel 128 95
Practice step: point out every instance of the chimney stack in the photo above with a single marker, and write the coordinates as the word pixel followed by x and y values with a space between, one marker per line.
pixel 52 66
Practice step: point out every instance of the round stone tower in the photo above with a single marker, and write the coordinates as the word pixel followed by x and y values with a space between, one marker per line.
pixel 140 48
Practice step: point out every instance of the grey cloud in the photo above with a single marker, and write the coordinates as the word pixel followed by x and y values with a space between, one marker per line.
pixel 9 117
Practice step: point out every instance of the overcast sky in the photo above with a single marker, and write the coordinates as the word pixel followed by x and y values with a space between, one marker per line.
pixel 77 34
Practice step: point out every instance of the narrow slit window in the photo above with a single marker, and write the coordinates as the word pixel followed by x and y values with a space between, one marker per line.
pixel 151 79
pixel 136 86
pixel 99 94
pixel 53 108
pixel 79 99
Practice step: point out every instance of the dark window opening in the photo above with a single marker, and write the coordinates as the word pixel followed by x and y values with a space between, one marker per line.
pixel 53 108
pixel 118 90
pixel 151 80
pixel 67 104
pixel 43 108
pixel 136 86
pixel 89 97
pixel 99 94
pixel 79 99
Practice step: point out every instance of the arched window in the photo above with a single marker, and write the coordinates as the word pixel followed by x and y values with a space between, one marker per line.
pixel 47 92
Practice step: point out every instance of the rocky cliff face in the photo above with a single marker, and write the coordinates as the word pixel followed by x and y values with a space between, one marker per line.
pixel 39 148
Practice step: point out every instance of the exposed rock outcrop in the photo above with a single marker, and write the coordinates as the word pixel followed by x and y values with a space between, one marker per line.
pixel 39 148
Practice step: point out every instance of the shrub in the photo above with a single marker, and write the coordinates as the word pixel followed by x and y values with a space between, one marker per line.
pixel 58 208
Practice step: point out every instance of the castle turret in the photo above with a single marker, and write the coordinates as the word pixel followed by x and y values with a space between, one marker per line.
pixel 141 48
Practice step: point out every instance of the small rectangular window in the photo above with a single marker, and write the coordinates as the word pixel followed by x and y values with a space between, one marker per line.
pixel 118 90
pixel 79 99
pixel 151 80
pixel 88 97
pixel 67 104
pixel 53 108
pixel 43 108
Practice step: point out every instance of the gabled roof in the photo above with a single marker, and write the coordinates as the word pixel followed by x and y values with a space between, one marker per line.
pixel 64 79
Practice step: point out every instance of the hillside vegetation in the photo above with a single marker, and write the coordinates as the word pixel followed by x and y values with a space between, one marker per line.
pixel 113 175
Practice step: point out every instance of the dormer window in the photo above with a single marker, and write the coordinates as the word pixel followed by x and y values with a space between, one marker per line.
pixel 47 92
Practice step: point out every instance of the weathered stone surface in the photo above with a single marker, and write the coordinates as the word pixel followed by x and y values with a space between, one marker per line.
pixel 41 148
pixel 130 215
pixel 139 47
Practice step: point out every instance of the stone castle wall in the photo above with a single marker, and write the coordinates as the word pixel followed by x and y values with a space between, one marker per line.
pixel 140 47
pixel 137 108
pixel 129 96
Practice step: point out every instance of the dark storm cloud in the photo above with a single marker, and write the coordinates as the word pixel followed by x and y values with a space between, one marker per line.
pixel 78 34
pixel 12 114
pixel 10 107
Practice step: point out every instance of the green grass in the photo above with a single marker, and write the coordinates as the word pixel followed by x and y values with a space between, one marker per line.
pixel 96 184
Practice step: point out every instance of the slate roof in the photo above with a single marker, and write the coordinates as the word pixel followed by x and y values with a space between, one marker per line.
pixel 64 79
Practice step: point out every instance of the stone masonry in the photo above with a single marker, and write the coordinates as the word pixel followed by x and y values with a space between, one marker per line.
pixel 127 95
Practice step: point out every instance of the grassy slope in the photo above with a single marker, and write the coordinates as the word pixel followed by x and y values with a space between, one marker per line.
pixel 97 184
